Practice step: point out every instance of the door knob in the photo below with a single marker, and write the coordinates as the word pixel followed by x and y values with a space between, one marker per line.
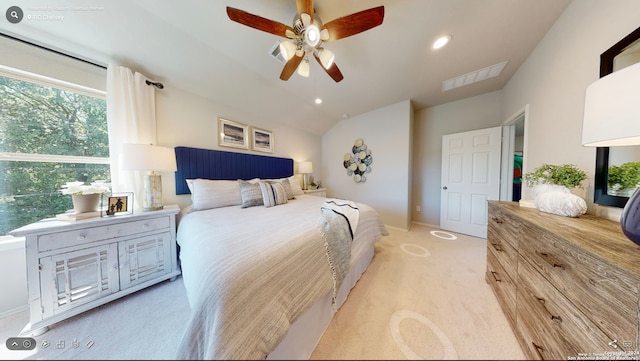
pixel 445 187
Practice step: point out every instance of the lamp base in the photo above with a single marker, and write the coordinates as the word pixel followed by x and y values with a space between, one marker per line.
pixel 152 192
pixel 630 219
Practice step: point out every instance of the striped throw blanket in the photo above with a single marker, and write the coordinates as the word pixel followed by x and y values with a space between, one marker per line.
pixel 339 222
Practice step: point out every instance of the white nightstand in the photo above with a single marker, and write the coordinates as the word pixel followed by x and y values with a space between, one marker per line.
pixel 73 267
pixel 320 192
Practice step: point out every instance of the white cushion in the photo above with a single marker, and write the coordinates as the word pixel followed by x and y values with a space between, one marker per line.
pixel 207 194
pixel 295 186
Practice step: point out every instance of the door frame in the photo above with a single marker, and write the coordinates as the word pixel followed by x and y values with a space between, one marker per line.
pixel 508 146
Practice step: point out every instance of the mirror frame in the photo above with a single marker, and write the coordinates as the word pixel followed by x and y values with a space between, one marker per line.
pixel 600 195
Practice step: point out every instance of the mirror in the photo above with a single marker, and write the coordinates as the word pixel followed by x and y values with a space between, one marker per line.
pixel 623 53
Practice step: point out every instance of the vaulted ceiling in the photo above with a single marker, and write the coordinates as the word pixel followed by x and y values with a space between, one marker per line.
pixel 194 46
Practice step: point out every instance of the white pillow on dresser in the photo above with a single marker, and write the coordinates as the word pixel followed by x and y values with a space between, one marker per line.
pixel 207 193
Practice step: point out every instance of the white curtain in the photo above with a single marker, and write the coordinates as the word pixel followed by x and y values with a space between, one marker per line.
pixel 131 117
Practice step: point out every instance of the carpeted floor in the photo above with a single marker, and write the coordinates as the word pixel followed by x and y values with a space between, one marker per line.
pixel 423 297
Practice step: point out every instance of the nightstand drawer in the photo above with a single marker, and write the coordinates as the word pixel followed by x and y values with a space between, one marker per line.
pixel 59 240
pixel 503 227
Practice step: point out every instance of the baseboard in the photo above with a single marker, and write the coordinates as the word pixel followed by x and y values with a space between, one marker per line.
pixel 426 224
pixel 397 228
pixel 14 311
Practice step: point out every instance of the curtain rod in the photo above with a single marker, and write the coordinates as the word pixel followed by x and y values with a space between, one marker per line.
pixel 156 84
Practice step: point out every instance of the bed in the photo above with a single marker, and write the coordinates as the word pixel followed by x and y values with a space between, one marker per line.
pixel 263 280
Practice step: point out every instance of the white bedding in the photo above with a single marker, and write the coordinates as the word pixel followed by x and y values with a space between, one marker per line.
pixel 251 272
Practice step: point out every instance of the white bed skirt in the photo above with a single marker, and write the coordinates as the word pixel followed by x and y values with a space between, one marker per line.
pixel 307 330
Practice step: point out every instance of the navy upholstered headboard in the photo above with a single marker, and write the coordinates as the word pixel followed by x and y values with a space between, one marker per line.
pixel 215 164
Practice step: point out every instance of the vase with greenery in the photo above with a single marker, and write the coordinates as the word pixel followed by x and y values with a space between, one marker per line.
pixel 567 175
pixel 623 179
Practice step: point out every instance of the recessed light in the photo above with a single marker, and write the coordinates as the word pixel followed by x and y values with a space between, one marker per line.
pixel 441 41
pixel 318 101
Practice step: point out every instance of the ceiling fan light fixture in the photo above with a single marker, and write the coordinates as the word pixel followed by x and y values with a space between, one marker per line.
pixel 287 49
pixel 303 68
pixel 326 57
pixel 312 35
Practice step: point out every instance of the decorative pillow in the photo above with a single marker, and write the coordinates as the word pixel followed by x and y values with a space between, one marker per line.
pixel 273 193
pixel 286 184
pixel 207 194
pixel 250 193
pixel 561 203
pixel 295 186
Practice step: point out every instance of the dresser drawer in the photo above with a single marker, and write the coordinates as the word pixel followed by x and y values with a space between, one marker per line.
pixel 608 294
pixel 503 226
pixel 503 286
pixel 47 242
pixel 550 324
pixel 504 252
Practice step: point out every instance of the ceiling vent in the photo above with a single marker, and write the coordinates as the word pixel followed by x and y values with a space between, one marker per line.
pixel 474 76
pixel 276 53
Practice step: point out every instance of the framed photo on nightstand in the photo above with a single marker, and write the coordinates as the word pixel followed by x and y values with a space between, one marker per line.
pixel 116 204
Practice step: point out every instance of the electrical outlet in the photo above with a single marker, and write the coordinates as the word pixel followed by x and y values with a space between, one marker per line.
pixel 418 208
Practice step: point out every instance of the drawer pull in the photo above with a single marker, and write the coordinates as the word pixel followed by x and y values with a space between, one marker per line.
pixel 553 317
pixel 82 237
pixel 495 276
pixel 538 349
pixel 550 259
pixel 146 226
pixel 497 220
pixel 497 247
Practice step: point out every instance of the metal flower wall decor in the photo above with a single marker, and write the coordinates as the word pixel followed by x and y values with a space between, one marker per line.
pixel 358 162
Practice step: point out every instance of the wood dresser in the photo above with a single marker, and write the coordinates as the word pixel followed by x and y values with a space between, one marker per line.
pixel 568 286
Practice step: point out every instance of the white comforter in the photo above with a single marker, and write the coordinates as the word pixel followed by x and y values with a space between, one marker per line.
pixel 251 272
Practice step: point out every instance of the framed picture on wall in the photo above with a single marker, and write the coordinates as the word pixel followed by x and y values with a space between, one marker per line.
pixel 232 134
pixel 261 140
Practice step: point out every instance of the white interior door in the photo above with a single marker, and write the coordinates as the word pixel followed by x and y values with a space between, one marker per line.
pixel 470 177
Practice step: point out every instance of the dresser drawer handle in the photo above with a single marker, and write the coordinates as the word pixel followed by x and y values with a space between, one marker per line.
pixel 553 317
pixel 81 237
pixel 550 259
pixel 497 220
pixel 538 349
pixel 495 276
pixel 497 247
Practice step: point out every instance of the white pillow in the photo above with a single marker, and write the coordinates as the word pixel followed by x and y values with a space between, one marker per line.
pixel 295 186
pixel 273 193
pixel 207 193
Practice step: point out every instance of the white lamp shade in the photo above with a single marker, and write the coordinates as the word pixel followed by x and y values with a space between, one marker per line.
pixel 303 68
pixel 305 167
pixel 326 58
pixel 612 109
pixel 147 157
pixel 288 49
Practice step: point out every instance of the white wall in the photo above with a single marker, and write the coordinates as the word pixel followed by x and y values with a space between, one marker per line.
pixel 387 132
pixel 553 80
pixel 188 119
pixel 479 112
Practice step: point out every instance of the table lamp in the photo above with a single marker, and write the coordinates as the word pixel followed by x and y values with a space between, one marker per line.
pixel 152 158
pixel 611 119
pixel 305 168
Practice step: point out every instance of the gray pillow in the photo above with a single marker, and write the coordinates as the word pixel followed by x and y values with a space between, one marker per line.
pixel 251 194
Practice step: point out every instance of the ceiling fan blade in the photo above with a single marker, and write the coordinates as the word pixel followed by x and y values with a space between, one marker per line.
pixel 354 23
pixel 258 22
pixel 305 7
pixel 291 65
pixel 333 70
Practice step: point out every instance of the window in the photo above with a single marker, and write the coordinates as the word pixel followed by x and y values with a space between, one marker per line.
pixel 51 132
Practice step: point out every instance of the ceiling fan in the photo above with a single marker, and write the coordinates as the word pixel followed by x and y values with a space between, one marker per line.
pixel 308 34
